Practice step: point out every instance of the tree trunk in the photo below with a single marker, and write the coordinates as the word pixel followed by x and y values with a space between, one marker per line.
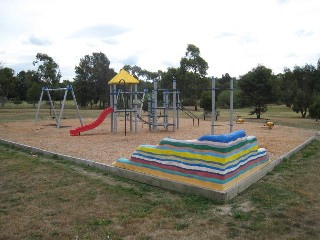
pixel 258 115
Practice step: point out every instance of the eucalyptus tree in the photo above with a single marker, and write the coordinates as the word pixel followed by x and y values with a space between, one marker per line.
pixel 47 69
pixel 91 80
pixel 144 76
pixel 194 70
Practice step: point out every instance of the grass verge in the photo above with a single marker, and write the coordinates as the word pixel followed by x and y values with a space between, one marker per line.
pixel 43 198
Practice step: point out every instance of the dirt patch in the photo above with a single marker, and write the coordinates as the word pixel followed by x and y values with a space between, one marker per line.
pixel 102 145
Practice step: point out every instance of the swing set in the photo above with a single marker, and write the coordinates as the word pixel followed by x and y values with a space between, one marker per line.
pixel 48 90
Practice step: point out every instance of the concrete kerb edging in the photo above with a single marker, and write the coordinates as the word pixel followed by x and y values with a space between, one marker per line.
pixel 218 196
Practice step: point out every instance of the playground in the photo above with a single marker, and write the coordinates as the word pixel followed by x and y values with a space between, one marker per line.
pixel 104 146
pixel 215 155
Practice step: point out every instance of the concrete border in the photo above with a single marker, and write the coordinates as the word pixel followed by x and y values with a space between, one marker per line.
pixel 218 196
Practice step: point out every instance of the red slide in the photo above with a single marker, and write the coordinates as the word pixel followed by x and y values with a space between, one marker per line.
pixel 96 123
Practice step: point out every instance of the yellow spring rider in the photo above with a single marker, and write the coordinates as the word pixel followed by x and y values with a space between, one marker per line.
pixel 268 123
pixel 239 119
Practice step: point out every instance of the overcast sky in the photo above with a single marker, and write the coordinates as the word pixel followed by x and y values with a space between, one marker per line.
pixel 233 36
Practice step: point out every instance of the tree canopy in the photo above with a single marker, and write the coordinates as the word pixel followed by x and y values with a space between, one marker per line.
pixel 300 87
pixel 48 70
pixel 192 78
pixel 257 88
pixel 315 108
pixel 91 81
pixel 6 84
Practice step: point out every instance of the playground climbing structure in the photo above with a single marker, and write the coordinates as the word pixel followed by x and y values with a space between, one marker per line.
pixel 124 87
pixel 124 96
pixel 158 116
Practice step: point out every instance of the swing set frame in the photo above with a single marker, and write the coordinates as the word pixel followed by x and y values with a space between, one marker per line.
pixel 48 90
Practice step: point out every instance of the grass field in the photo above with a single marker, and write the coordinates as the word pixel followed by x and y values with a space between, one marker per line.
pixel 43 198
pixel 278 113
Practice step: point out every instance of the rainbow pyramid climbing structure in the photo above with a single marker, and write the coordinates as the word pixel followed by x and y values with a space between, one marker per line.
pixel 212 161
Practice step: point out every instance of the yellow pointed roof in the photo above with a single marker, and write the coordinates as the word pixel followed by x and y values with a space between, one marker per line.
pixel 123 77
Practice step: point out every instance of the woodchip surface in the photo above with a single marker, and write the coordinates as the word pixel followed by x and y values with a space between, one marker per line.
pixel 102 145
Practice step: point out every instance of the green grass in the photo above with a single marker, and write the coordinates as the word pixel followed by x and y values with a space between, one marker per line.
pixel 280 114
pixel 43 198
pixel 29 113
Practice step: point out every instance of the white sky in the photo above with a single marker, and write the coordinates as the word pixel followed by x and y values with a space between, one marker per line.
pixel 233 36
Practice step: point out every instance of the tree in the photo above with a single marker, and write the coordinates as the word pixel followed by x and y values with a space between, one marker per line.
pixel 314 109
pixel 194 70
pixel 223 92
pixel 194 62
pixel 48 70
pixel 7 84
pixel 91 81
pixel 33 93
pixel 168 77
pixel 142 74
pixel 300 87
pixel 24 81
pixel 257 88
pixel 205 101
pixel 223 83
pixel 224 99
pixel 145 77
pixel 84 91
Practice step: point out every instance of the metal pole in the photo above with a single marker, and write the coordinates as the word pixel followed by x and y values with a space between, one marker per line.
pixel 136 108
pixel 213 103
pixel 145 91
pixel 125 106
pixel 165 105
pixel 115 109
pixel 131 107
pixel 75 102
pixel 39 104
pixel 231 105
pixel 62 108
pixel 155 104
pixel 174 84
pixel 178 108
pixel 112 105
pixel 149 111
pixel 56 89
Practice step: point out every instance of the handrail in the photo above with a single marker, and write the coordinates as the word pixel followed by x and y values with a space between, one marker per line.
pixel 189 114
pixel 142 120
